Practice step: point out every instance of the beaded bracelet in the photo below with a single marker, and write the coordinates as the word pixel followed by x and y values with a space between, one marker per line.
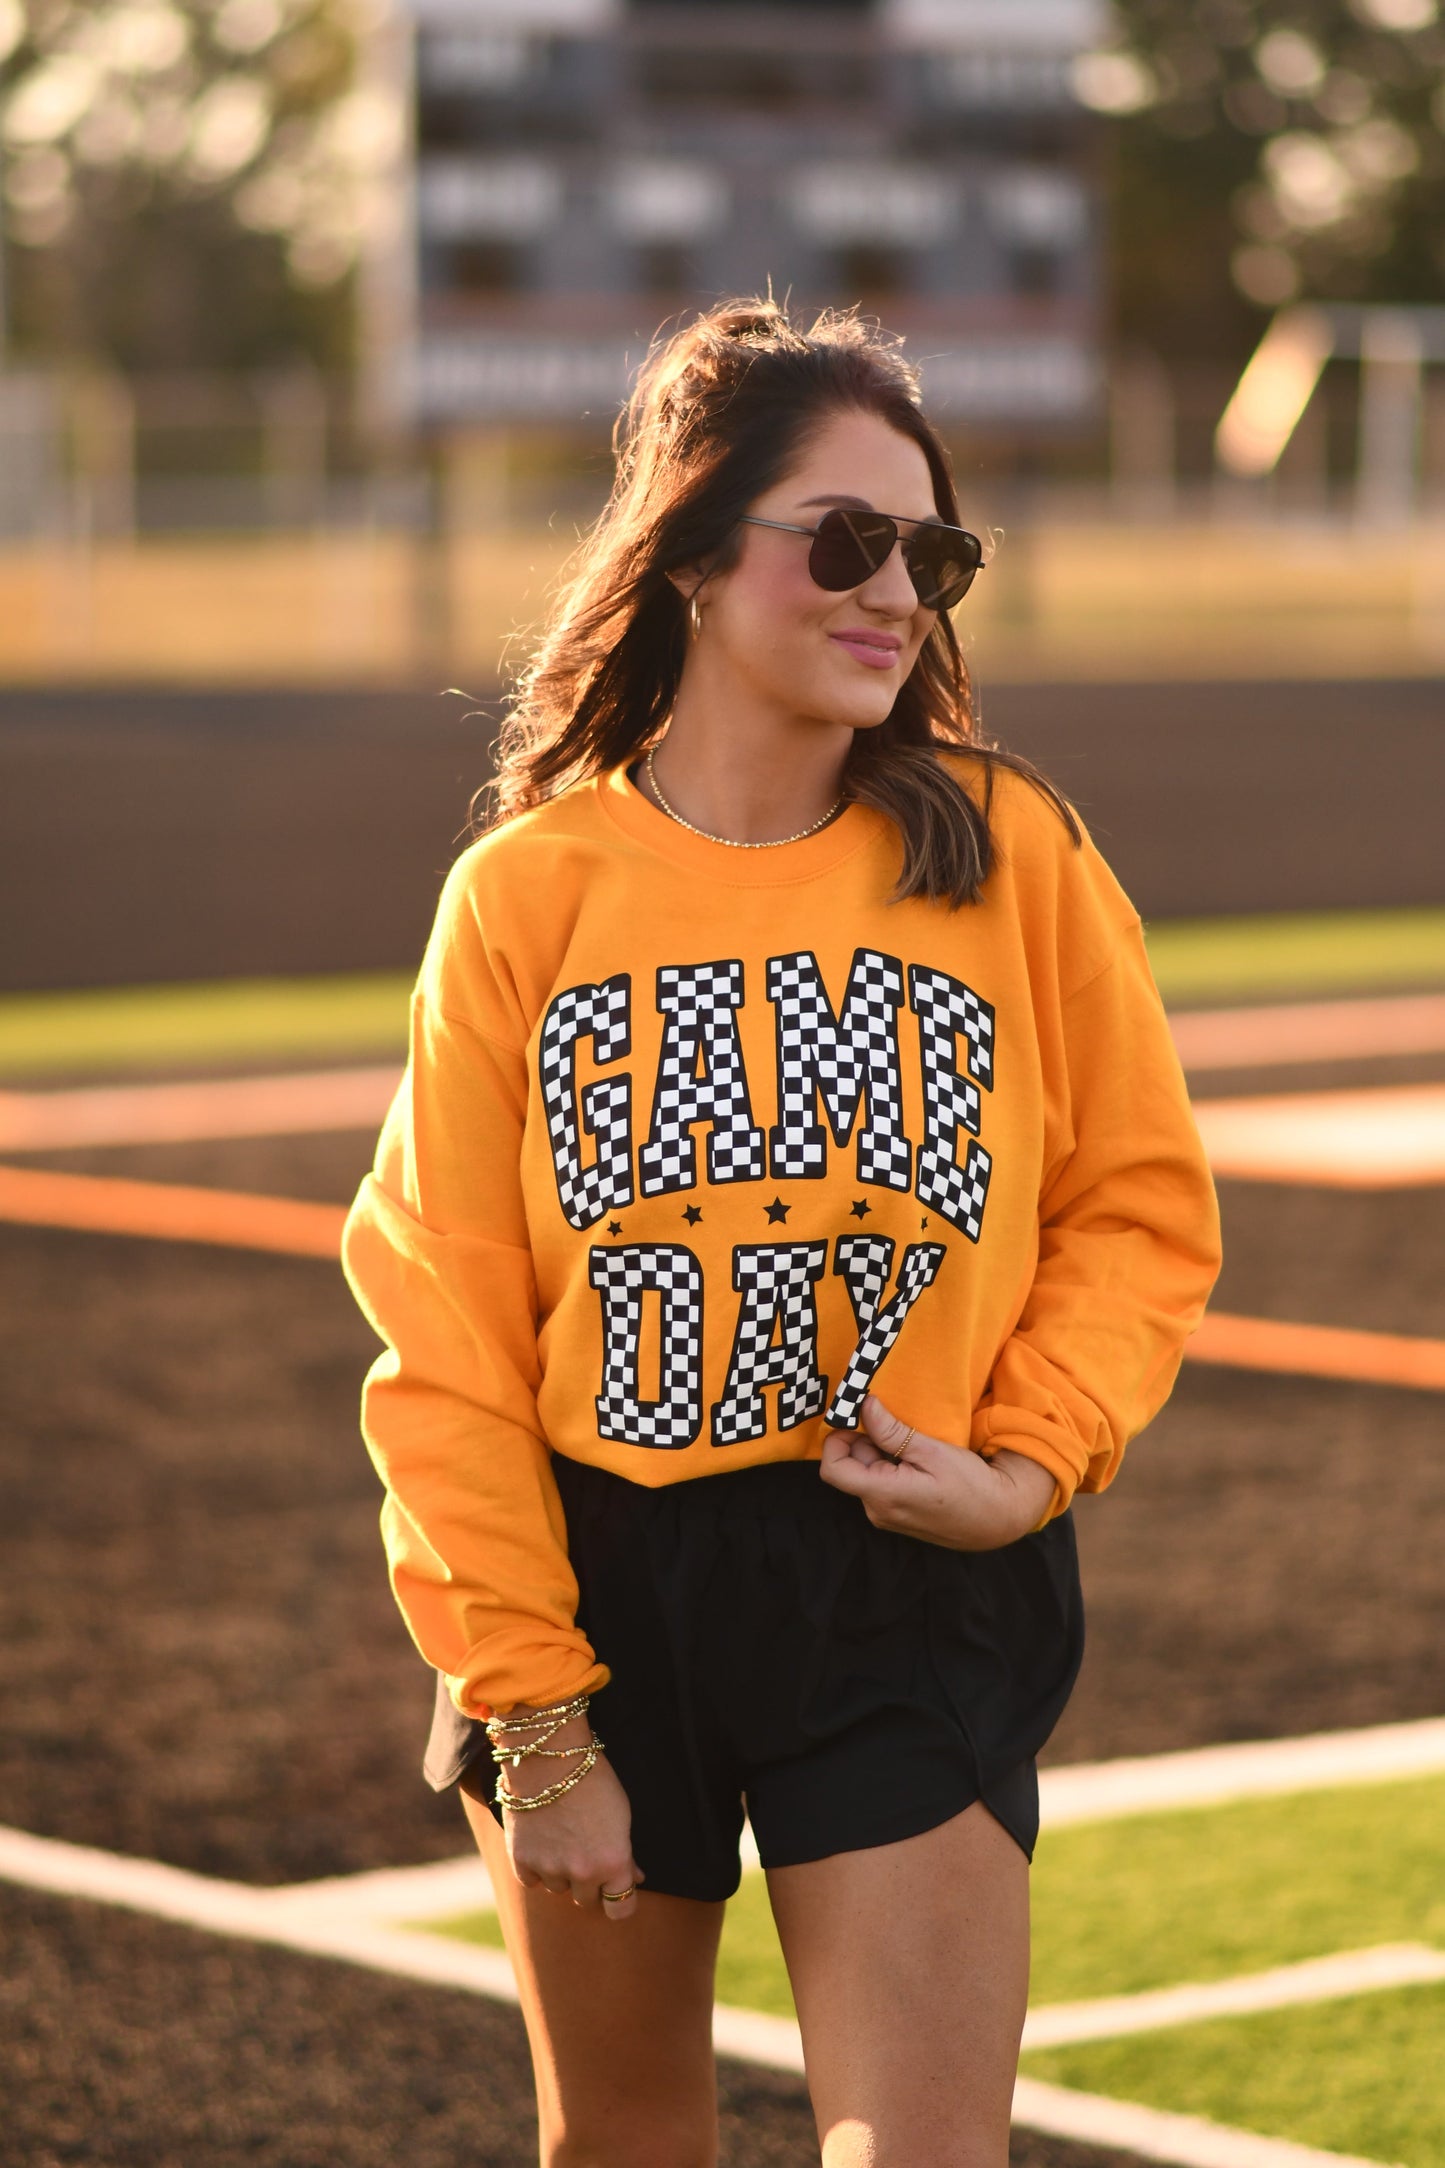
pixel 517 1804
pixel 548 1722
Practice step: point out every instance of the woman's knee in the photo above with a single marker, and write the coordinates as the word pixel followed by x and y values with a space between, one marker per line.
pixel 661 2139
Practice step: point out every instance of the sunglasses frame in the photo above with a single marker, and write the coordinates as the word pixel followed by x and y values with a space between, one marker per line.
pixel 895 520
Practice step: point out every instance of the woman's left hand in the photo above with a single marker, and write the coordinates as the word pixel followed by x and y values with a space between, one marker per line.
pixel 940 1492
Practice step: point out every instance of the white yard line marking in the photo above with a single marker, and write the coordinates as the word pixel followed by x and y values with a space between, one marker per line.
pixel 309 1918
pixel 1213 1775
pixel 1317 1979
pixel 1310 1031
pixel 340 1919
pixel 242 1106
pixel 1390 1137
pixel 1178 2141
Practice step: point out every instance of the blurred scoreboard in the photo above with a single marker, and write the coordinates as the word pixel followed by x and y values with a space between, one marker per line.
pixel 585 169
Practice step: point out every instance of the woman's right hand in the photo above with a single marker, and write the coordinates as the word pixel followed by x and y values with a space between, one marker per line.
pixel 581 1844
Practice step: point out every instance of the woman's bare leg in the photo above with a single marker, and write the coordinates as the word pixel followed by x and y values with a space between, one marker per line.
pixel 619 2016
pixel 909 1965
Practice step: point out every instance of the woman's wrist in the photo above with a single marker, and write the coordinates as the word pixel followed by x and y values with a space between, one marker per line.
pixel 537 1749
pixel 1032 1489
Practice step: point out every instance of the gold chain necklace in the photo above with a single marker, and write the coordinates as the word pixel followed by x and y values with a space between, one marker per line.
pixel 775 843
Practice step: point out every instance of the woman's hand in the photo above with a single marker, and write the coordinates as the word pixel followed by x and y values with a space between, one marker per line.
pixel 581 1844
pixel 935 1491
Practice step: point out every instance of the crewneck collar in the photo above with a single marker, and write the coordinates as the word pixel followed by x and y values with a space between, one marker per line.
pixel 778 865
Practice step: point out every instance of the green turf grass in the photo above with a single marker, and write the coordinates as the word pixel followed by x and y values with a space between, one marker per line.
pixel 1147 1902
pixel 1199 1894
pixel 1362 2076
pixel 1204 960
pixel 205 1026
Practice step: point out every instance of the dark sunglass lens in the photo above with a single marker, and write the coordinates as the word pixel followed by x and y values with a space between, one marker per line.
pixel 942 567
pixel 849 547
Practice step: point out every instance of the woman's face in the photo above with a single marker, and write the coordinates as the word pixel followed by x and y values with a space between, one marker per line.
pixel 772 634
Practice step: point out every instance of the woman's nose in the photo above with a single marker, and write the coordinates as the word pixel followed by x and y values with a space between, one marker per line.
pixel 890 588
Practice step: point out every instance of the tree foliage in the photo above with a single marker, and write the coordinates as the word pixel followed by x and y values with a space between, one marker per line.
pixel 1268 150
pixel 188 182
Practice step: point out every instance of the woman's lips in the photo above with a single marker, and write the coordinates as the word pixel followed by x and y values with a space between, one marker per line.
pixel 877 654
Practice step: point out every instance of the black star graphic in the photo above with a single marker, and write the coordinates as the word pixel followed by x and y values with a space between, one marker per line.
pixel 777 1210
pixel 924 1221
pixel 861 1208
pixel 691 1214
pixel 614 1227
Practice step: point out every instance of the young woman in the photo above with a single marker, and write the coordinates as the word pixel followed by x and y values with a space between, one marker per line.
pixel 791 1201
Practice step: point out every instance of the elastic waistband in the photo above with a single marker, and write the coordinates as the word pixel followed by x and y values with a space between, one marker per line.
pixel 774 1486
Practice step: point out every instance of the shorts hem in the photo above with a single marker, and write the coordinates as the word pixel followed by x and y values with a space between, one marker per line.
pixel 914 1824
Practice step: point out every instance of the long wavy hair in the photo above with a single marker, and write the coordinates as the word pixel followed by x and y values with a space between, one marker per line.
pixel 722 409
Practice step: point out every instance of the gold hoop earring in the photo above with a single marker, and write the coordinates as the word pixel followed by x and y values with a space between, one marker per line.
pixel 694 616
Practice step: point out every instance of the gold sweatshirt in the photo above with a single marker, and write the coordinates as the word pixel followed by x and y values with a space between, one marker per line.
pixel 695 1144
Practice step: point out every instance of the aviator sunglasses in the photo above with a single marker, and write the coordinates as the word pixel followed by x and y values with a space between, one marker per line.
pixel 849 547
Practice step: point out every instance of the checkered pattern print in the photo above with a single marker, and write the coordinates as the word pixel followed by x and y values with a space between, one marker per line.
pixel 604 1015
pixel 776 1281
pixel 838 1058
pixel 945 1007
pixel 864 1263
pixel 919 1269
pixel 622 1277
pixel 699 1001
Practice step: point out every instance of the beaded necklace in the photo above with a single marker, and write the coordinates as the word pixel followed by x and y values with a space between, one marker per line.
pixel 773 844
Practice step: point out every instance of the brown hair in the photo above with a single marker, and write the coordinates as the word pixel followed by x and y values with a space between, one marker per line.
pixel 718 414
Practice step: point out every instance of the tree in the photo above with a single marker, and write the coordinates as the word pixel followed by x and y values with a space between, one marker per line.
pixel 189 183
pixel 1266 151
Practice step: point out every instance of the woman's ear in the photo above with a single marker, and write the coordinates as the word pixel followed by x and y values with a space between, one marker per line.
pixel 687 579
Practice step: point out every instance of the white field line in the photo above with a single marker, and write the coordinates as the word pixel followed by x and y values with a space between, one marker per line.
pixel 312 1917
pixel 1317 1979
pixel 1177 2141
pixel 1215 1775
pixel 306 1918
pixel 1091 1792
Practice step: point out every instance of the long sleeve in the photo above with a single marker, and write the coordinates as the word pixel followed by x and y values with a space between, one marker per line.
pixel 437 1253
pixel 1128 1239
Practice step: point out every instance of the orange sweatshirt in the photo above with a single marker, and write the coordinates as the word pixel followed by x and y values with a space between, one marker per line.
pixel 695 1144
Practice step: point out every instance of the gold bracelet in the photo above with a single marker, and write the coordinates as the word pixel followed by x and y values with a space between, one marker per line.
pixel 517 1750
pixel 557 1714
pixel 505 1755
pixel 516 1804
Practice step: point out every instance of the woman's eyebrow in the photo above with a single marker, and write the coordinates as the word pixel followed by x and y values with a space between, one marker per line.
pixel 861 504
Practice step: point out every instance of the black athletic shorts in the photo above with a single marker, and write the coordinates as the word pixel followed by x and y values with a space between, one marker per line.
pixel 771 1649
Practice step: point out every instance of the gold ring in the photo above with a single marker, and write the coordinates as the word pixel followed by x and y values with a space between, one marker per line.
pixel 615 1896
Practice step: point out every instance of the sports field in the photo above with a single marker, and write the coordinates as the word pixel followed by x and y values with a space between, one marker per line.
pixel 203 1667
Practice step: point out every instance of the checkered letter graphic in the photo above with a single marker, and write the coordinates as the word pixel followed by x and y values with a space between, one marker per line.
pixel 623 1277
pixel 838 1058
pixel 776 1342
pixel 699 1001
pixel 604 1015
pixel 858 1259
pixel 945 1007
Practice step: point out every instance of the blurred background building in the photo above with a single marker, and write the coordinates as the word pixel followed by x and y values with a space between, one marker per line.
pixel 585 168
pixel 374 273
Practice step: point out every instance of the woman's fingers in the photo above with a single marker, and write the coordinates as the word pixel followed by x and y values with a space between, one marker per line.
pixel 617 1893
pixel 887 1431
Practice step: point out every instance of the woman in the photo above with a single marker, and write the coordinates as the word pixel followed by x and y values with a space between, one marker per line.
pixel 791 1201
